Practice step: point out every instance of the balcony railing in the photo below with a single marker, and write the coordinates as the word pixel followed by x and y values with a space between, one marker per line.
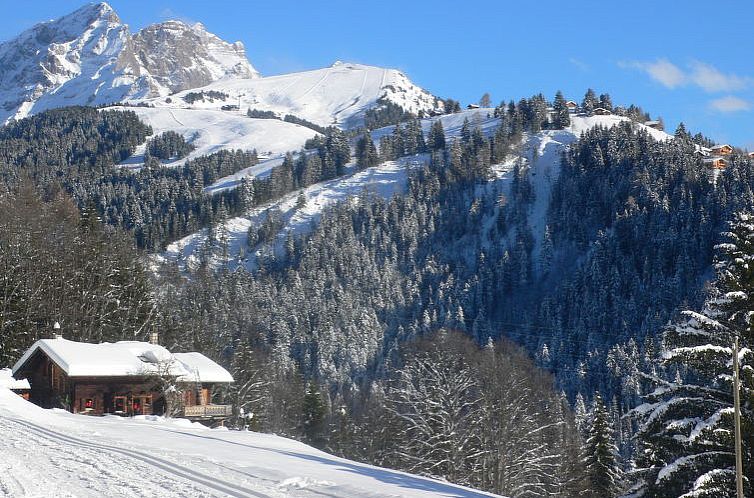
pixel 207 411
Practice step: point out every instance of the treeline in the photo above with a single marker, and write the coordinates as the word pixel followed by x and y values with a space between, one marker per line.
pixel 78 149
pixel 61 266
pixel 62 144
pixel 166 146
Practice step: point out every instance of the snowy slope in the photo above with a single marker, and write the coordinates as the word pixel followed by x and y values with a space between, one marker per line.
pixel 81 58
pixel 383 180
pixel 81 456
pixel 580 124
pixel 538 154
pixel 211 131
pixel 337 95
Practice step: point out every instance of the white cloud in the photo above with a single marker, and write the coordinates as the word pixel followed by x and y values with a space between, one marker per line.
pixel 662 70
pixel 579 63
pixel 729 103
pixel 710 79
pixel 700 74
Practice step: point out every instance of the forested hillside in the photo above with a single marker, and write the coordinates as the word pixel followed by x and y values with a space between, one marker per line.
pixel 385 332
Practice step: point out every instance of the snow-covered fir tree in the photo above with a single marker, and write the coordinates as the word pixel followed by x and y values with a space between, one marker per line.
pixel 601 466
pixel 686 436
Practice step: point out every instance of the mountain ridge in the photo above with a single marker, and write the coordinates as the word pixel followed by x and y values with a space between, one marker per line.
pixel 90 57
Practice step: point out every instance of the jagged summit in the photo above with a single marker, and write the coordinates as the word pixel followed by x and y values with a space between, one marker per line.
pixel 93 11
pixel 90 57
pixel 180 56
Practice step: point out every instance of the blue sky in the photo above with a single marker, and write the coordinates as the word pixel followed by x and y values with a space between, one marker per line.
pixel 684 61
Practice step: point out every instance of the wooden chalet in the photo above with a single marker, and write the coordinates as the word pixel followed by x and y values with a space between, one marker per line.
pixel 600 111
pixel 572 106
pixel 722 150
pixel 716 162
pixel 657 125
pixel 121 378
pixel 472 106
pixel 750 154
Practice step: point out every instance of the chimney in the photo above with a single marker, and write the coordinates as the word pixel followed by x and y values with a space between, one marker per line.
pixel 56 333
pixel 154 338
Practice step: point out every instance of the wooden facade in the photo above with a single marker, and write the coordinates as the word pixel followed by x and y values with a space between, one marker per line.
pixel 722 150
pixel 716 163
pixel 129 395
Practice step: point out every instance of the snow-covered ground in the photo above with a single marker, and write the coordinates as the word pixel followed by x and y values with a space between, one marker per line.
pixel 52 453
pixel 339 94
pixel 213 130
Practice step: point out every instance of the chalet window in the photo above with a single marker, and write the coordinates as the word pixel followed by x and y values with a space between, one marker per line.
pixel 119 403
pixel 88 404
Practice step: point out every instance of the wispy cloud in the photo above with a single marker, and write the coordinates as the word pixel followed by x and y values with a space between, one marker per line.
pixel 169 14
pixel 729 103
pixel 697 73
pixel 579 64
pixel 712 80
pixel 662 70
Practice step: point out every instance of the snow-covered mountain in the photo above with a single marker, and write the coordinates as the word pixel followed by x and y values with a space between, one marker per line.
pixel 82 58
pixel 336 95
pixel 90 57
pixel 78 455
pixel 179 56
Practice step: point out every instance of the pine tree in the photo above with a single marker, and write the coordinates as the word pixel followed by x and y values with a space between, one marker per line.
pixel 313 415
pixel 686 435
pixel 562 116
pixel 436 137
pixel 366 152
pixel 600 454
pixel 589 102
pixel 606 102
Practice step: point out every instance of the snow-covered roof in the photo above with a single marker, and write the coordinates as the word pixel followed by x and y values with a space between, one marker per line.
pixel 7 381
pixel 125 358
pixel 203 369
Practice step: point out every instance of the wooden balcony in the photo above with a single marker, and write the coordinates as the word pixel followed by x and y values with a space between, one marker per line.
pixel 208 411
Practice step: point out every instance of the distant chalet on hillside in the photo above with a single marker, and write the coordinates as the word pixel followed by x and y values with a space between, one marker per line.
pixel 722 150
pixel 715 162
pixel 123 378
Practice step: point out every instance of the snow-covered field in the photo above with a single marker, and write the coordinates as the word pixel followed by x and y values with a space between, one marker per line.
pixel 52 453
pixel 338 94
pixel 213 130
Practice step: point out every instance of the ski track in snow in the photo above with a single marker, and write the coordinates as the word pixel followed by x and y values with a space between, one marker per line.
pixel 316 85
pixel 53 453
pixel 80 468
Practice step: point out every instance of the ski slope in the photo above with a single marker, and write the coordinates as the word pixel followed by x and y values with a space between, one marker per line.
pixel 336 95
pixel 212 131
pixel 81 456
